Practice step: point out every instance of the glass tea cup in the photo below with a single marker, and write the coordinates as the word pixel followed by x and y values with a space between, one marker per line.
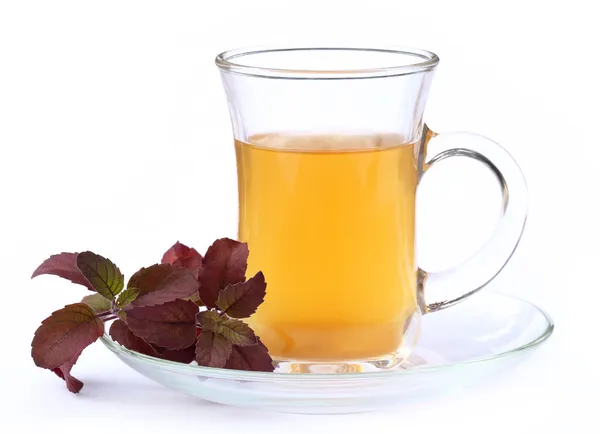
pixel 330 148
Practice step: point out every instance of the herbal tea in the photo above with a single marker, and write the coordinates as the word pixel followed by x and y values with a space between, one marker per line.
pixel 330 220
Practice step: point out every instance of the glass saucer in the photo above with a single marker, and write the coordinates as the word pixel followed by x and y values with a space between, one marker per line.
pixel 481 338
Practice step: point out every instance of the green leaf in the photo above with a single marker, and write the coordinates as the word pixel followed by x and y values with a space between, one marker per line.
pixel 126 297
pixel 104 276
pixel 212 349
pixel 235 331
pixel 64 335
pixel 97 302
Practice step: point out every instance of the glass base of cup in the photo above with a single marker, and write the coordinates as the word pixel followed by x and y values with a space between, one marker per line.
pixel 397 360
pixel 384 363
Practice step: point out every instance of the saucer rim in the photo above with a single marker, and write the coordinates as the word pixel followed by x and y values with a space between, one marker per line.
pixel 281 376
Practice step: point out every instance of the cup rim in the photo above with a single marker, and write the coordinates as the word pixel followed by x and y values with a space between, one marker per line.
pixel 423 61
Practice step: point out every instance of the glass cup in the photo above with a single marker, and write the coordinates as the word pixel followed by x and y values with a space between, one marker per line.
pixel 330 147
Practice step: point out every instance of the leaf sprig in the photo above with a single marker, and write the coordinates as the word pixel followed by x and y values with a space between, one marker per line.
pixel 189 308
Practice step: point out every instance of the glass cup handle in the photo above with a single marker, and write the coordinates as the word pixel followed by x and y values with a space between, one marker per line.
pixel 439 290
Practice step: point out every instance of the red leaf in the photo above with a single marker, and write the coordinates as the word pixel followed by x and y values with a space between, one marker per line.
pixel 242 299
pixel 63 265
pixel 253 358
pixel 224 264
pixel 185 355
pixel 183 256
pixel 235 331
pixel 162 283
pixel 64 371
pixel 121 334
pixel 212 349
pixel 64 335
pixel 171 325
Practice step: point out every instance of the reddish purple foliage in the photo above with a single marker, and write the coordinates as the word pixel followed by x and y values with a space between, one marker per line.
pixel 183 256
pixel 224 264
pixel 171 325
pixel 253 358
pixel 63 265
pixel 64 334
pixel 212 349
pixel 64 371
pixel 242 299
pixel 162 283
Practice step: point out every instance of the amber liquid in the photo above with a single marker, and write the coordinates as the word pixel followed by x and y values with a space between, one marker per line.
pixel 330 220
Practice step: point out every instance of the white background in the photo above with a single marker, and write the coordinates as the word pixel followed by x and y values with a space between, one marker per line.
pixel 115 137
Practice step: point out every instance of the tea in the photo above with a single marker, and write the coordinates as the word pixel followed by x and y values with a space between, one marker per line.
pixel 330 220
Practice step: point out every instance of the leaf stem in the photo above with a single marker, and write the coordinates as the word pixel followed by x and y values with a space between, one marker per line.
pixel 107 316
